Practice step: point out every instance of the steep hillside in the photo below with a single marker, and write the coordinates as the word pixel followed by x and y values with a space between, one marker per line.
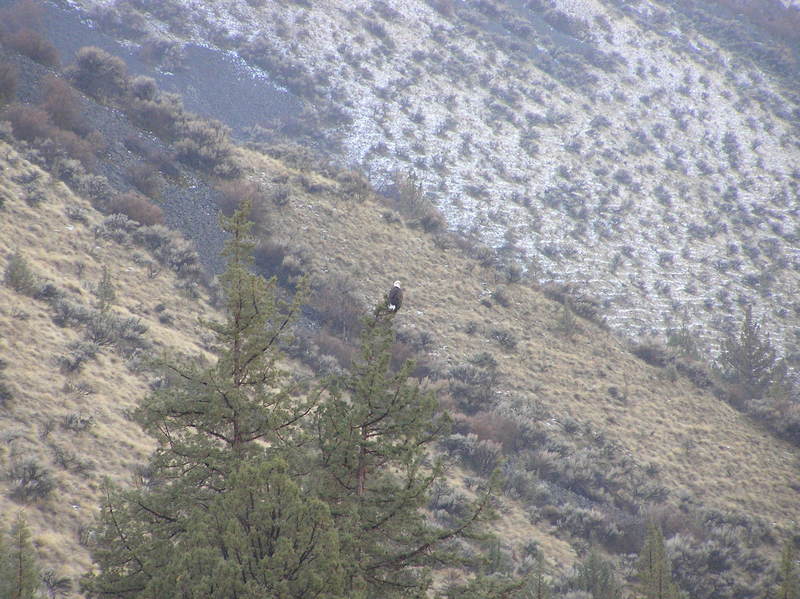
pixel 602 437
pixel 71 368
pixel 593 441
pixel 635 148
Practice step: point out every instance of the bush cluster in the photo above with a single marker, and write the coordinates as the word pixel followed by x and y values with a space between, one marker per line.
pixel 8 82
pixel 30 481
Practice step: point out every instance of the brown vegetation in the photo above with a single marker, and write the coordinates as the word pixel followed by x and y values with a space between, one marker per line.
pixel 98 73
pixel 137 207
pixel 60 101
pixel 34 46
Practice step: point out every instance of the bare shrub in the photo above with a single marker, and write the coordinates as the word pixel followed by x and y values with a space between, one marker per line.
pixel 33 125
pixel 495 427
pixel 235 192
pixel 145 178
pixel 334 304
pixel 144 88
pixel 61 103
pixel 61 143
pixel 581 304
pixel 414 203
pixel 160 115
pixel 206 145
pixel 354 185
pixel 27 123
pixel 137 207
pixel 98 73
pixel 34 46
pixel 8 82
pixel 482 456
pixel 331 345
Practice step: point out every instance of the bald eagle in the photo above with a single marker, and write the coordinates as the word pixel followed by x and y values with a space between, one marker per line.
pixel 395 299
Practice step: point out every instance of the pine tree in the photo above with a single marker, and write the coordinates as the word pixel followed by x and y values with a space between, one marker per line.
pixel 104 291
pixel 789 577
pixel 597 577
pixel 537 587
pixel 220 516
pixel 19 575
pixel 654 568
pixel 749 361
pixel 261 538
pixel 375 429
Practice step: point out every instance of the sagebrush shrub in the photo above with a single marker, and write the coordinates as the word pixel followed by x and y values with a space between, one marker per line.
pixel 19 275
pixel 30 481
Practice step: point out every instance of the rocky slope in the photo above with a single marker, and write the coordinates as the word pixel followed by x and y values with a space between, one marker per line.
pixel 611 145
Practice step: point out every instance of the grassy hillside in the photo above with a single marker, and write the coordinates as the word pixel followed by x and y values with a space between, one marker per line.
pixel 66 413
pixel 581 389
pixel 594 436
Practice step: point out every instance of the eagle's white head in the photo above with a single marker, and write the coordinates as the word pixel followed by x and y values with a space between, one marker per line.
pixel 396 284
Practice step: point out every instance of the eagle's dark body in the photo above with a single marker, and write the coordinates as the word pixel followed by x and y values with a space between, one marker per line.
pixel 395 299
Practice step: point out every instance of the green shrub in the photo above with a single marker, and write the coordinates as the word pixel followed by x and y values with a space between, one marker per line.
pixel 79 353
pixel 19 276
pixel 78 422
pixel 30 481
pixel 6 394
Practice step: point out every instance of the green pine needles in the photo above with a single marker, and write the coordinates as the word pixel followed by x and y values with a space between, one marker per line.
pixel 262 488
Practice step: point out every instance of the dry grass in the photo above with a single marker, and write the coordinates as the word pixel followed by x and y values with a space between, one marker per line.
pixel 66 253
pixel 701 445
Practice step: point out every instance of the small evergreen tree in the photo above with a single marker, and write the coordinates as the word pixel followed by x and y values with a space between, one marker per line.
pixel 654 568
pixel 597 577
pixel 19 575
pixel 220 517
pixel 537 587
pixel 749 361
pixel 787 572
pixel 104 291
pixel 375 428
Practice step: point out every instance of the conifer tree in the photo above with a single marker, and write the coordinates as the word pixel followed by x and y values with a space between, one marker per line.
pixel 220 516
pixel 19 575
pixel 537 587
pixel 749 360
pixel 375 429
pixel 787 572
pixel 597 577
pixel 654 568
